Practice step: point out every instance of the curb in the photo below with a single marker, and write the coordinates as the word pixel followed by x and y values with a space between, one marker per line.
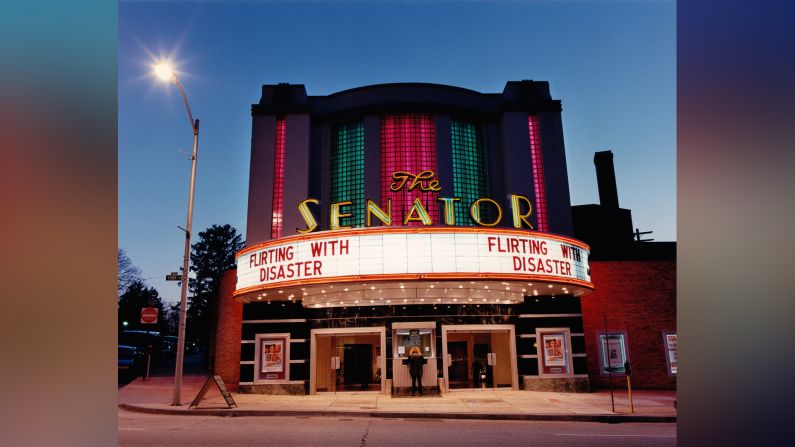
pixel 606 418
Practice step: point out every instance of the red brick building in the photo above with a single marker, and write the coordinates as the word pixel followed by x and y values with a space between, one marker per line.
pixel 635 298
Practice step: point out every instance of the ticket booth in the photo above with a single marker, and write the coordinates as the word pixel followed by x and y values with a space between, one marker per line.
pixel 408 337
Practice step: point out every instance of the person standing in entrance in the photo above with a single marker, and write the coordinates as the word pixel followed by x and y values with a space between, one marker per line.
pixel 415 369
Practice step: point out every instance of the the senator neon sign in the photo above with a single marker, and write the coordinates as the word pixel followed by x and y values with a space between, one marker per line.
pixel 521 207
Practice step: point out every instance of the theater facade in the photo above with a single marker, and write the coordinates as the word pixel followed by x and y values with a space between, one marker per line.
pixel 396 218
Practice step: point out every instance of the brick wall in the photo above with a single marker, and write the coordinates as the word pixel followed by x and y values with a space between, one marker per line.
pixel 228 330
pixel 639 298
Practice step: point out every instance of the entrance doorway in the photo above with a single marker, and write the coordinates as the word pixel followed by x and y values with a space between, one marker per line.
pixel 480 356
pixel 357 367
pixel 458 362
pixel 348 360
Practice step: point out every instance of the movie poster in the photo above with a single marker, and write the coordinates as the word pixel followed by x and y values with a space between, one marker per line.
pixel 272 355
pixel 554 351
pixel 670 346
pixel 616 353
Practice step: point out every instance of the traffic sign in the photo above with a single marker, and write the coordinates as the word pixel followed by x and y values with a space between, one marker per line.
pixel 148 315
pixel 173 276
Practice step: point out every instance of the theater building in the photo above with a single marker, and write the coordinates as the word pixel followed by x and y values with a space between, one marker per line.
pixel 395 218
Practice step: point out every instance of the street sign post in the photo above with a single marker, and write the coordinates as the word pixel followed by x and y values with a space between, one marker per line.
pixel 148 315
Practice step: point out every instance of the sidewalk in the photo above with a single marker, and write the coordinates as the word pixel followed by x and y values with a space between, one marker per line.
pixel 155 394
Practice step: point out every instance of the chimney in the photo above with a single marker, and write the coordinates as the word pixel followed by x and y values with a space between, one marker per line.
pixel 606 179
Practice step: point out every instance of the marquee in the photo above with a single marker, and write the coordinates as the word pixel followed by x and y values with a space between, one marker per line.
pixel 412 253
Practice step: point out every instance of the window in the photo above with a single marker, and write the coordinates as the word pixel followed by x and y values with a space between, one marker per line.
pixel 614 343
pixel 406 339
pixel 347 170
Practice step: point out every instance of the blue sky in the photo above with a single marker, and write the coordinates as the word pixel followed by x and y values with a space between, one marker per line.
pixel 613 65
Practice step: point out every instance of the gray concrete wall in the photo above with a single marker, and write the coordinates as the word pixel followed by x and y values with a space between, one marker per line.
pixel 260 184
pixel 555 174
pixel 516 166
pixel 296 172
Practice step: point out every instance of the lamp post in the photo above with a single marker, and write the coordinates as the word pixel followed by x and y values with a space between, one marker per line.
pixel 166 73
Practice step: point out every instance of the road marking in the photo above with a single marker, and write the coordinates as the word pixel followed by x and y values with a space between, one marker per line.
pixel 637 436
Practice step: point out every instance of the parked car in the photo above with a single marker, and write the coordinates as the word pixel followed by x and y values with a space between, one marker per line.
pixel 170 344
pixel 129 360
pixel 141 341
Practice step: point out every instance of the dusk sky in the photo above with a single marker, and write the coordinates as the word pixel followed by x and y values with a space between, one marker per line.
pixel 612 64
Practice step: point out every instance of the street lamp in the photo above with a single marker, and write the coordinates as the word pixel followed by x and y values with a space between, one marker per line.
pixel 165 72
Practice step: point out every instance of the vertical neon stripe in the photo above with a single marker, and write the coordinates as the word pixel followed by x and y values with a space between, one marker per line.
pixel 408 143
pixel 278 178
pixel 469 180
pixel 538 173
pixel 347 170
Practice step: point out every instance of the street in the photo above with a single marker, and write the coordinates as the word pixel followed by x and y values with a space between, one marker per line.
pixel 138 429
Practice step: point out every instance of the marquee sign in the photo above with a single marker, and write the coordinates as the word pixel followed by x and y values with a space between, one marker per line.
pixel 397 253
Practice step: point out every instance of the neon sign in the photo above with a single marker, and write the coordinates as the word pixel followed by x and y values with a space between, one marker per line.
pixel 521 207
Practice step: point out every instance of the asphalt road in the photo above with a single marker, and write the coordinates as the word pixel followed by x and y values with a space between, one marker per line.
pixel 137 429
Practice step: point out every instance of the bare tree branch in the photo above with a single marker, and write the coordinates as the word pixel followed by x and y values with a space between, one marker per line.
pixel 128 273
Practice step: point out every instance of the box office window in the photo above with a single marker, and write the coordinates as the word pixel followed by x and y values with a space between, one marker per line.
pixel 407 339
pixel 612 352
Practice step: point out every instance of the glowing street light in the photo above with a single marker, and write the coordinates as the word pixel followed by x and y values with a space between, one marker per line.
pixel 164 71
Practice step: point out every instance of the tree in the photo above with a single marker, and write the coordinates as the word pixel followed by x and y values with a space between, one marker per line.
pixel 211 256
pixel 133 299
pixel 172 319
pixel 128 273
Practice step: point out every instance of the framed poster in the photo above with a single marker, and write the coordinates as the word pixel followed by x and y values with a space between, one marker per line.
pixel 554 353
pixel 272 357
pixel 671 352
pixel 613 352
pixel 554 350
